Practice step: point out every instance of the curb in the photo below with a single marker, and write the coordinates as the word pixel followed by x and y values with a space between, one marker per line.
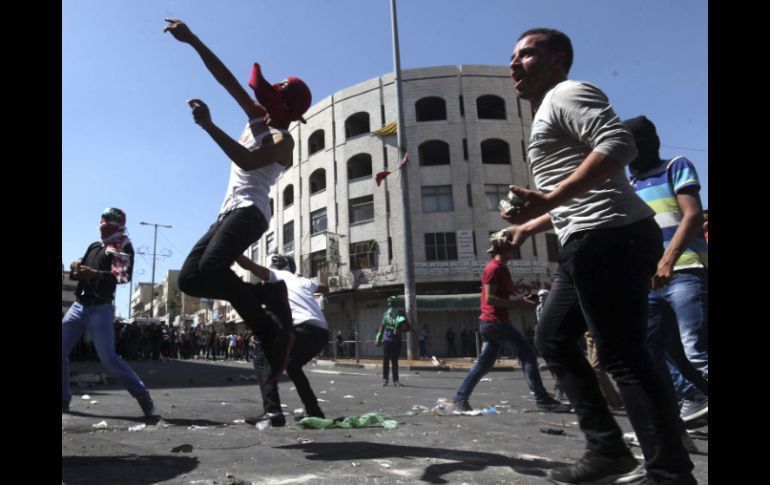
pixel 443 368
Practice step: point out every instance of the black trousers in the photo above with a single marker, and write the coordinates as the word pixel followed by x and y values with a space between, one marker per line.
pixel 310 339
pixel 206 272
pixel 602 284
pixel 390 354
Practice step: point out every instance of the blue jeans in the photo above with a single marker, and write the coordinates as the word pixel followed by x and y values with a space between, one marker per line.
pixel 497 333
pixel 97 319
pixel 682 304
pixel 423 349
pixel 602 283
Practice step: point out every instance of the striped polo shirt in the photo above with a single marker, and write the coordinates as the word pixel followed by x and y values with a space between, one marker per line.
pixel 658 187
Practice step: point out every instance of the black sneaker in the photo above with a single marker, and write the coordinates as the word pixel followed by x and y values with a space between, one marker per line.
pixel 65 407
pixel 463 406
pixel 147 405
pixel 595 469
pixel 275 297
pixel 277 355
pixel 276 419
pixel 384 382
pixel 695 408
pixel 553 406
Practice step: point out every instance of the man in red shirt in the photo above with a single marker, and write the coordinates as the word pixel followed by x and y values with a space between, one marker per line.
pixel 496 330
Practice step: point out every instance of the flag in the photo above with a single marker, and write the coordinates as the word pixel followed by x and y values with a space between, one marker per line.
pixel 387 130
pixel 381 175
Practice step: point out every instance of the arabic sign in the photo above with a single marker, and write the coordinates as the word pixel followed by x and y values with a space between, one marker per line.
pixel 370 276
pixel 465 245
pixel 332 248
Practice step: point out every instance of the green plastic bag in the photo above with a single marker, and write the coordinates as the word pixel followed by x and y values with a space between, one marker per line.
pixel 364 421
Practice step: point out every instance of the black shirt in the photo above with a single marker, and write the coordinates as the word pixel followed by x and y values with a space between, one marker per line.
pixel 102 289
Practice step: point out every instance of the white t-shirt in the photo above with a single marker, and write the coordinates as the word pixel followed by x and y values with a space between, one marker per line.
pixel 304 307
pixel 252 187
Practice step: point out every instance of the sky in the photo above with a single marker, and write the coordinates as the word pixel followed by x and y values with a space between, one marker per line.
pixel 129 141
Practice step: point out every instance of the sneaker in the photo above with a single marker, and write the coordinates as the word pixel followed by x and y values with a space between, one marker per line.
pixel 275 297
pixel 695 408
pixel 147 405
pixel 276 419
pixel 554 406
pixel 463 406
pixel 397 384
pixel 689 445
pixel 65 407
pixel 277 356
pixel 596 469
pixel 384 383
pixel 638 473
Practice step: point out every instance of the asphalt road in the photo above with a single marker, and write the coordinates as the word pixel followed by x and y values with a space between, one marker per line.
pixel 199 439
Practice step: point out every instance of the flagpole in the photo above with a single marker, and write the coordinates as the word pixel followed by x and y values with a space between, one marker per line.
pixel 409 284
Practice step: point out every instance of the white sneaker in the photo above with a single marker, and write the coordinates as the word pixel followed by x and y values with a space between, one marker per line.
pixel 687 441
pixel 633 476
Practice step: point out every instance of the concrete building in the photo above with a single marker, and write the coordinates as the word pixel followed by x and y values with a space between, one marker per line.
pixel 140 299
pixel 466 134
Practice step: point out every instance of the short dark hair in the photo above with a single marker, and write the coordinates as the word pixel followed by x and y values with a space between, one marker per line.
pixel 555 41
pixel 283 262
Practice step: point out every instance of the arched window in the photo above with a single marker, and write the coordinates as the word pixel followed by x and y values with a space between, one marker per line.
pixel 431 108
pixel 288 196
pixel 357 124
pixel 360 166
pixel 434 152
pixel 490 107
pixel 317 181
pixel 316 142
pixel 495 151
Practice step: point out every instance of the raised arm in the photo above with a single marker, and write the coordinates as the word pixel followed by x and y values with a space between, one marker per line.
pixel 249 265
pixel 182 33
pixel 277 148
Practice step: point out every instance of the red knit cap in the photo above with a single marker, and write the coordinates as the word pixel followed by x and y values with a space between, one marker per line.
pixel 286 101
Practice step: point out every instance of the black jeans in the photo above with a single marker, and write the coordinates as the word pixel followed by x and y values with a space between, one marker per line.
pixel 310 339
pixel 604 276
pixel 390 353
pixel 206 272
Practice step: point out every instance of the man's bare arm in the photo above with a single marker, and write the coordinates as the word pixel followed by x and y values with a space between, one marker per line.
pixel 249 265
pixel 182 33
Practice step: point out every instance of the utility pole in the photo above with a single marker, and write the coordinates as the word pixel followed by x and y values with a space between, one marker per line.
pixel 409 284
pixel 154 244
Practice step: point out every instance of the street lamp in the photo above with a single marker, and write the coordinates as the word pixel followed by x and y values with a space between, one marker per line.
pixel 154 244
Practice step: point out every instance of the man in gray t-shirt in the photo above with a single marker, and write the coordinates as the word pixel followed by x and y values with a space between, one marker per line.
pixel 611 244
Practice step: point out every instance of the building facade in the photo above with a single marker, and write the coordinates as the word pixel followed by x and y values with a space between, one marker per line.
pixel 466 134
